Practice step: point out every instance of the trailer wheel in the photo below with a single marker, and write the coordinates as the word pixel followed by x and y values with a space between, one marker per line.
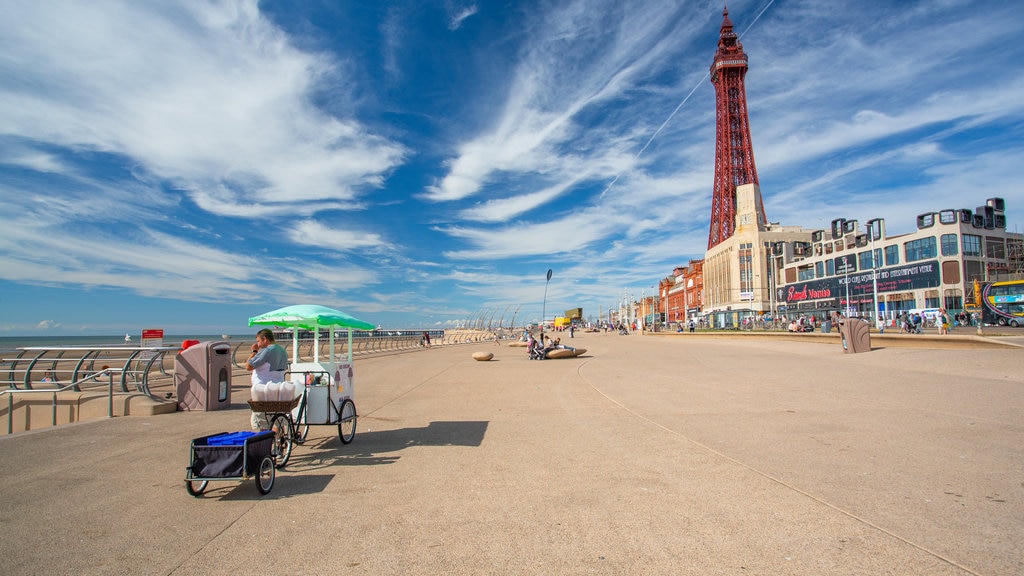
pixel 265 476
pixel 196 487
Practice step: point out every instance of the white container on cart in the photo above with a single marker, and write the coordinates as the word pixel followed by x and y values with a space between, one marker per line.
pixel 323 400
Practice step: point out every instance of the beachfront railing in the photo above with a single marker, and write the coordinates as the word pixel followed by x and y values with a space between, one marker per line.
pixel 11 393
pixel 49 367
pixel 366 345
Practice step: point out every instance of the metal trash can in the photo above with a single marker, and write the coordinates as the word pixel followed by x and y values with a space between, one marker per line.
pixel 855 336
pixel 202 376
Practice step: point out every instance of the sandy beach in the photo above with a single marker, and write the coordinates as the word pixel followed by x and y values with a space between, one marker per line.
pixel 646 455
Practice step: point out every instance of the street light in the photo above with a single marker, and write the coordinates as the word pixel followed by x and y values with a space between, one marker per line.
pixel 874 230
pixel 544 308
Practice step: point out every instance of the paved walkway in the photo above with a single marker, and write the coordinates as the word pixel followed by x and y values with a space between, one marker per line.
pixel 647 455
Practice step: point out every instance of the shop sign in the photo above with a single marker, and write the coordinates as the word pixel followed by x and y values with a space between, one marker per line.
pixel 895 279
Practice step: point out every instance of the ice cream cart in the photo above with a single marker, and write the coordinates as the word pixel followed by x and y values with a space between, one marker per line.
pixel 326 384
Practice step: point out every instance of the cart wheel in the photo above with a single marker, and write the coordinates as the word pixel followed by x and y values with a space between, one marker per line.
pixel 347 422
pixel 283 432
pixel 265 477
pixel 304 433
pixel 196 487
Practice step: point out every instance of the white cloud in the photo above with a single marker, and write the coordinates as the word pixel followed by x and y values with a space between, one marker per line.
pixel 210 96
pixel 458 15
pixel 312 233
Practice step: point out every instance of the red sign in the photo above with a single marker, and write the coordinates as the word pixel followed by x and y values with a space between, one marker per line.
pixel 152 333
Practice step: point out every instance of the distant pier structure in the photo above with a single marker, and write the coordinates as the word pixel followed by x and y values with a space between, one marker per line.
pixel 734 152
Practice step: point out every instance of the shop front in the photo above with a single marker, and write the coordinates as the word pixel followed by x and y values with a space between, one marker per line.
pixel 899 288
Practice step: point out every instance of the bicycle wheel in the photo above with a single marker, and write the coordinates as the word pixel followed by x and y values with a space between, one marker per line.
pixel 265 477
pixel 347 422
pixel 283 432
pixel 196 487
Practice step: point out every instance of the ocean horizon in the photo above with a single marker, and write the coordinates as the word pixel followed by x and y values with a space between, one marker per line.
pixel 9 345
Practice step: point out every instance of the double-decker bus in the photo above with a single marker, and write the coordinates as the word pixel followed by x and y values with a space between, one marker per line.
pixel 1000 303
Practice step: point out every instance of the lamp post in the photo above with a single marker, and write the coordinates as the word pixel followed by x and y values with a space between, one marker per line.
pixel 874 233
pixel 846 275
pixel 544 307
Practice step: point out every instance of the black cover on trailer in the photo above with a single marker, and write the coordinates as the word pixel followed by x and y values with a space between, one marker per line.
pixel 226 461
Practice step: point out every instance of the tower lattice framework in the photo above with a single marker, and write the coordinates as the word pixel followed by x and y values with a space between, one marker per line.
pixel 734 153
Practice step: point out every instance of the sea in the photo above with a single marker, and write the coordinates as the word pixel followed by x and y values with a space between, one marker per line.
pixel 9 345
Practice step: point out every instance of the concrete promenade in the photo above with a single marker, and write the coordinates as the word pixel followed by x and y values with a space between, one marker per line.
pixel 669 455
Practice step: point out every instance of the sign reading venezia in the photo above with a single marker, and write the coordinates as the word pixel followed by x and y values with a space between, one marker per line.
pixel 807 294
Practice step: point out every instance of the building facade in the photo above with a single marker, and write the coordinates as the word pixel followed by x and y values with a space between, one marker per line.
pixel 738 279
pixel 683 292
pixel 864 272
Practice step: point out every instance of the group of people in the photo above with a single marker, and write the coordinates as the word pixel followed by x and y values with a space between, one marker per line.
pixel 913 322
pixel 538 348
pixel 802 324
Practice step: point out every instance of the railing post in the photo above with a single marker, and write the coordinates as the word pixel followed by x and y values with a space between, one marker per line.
pixel 110 394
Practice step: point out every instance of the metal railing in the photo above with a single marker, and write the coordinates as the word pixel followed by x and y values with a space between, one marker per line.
pixel 365 345
pixel 73 386
pixel 35 366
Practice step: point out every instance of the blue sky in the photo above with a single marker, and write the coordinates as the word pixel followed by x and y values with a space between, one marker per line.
pixel 186 165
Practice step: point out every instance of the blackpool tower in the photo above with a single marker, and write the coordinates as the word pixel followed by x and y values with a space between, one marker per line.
pixel 734 153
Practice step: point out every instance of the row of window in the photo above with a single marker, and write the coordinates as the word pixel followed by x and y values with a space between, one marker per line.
pixel 913 251
pixel 995 247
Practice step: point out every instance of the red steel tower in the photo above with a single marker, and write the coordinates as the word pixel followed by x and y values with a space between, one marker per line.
pixel 734 153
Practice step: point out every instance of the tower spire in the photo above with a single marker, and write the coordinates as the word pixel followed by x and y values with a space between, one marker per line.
pixel 734 153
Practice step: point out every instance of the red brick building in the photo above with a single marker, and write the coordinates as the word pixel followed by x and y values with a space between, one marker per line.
pixel 682 293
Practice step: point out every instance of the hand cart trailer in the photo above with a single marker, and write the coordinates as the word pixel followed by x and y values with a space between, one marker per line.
pixel 231 456
pixel 326 399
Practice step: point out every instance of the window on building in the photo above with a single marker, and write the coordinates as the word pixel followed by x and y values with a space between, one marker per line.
pixel 828 248
pixel 746 267
pixel 974 270
pixel 954 299
pixel 892 255
pixel 919 249
pixel 931 302
pixel 971 244
pixel 805 273
pixel 819 269
pixel 949 245
pixel 864 260
pixel 830 267
pixel 995 248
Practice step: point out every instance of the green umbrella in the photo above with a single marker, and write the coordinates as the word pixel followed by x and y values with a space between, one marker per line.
pixel 311 317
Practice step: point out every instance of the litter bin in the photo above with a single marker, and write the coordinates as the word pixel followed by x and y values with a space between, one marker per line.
pixel 855 335
pixel 202 376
